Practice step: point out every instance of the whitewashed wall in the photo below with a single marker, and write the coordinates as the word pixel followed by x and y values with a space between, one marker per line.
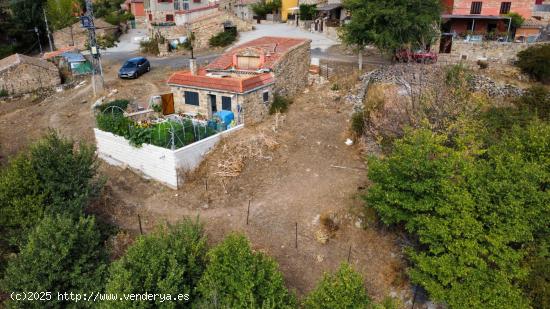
pixel 155 162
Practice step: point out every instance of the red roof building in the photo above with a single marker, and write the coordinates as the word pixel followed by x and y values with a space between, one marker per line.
pixel 245 74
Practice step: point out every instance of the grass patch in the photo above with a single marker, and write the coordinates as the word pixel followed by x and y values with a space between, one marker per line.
pixel 280 104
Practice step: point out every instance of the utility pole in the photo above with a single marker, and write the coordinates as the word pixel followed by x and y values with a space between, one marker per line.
pixel 88 22
pixel 38 37
pixel 48 30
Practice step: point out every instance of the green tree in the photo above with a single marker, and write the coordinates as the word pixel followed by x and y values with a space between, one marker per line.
pixel 471 212
pixel 61 255
pixel 52 177
pixel 168 261
pixel 537 101
pixel 344 289
pixel 61 13
pixel 390 24
pixel 237 277
pixel 535 61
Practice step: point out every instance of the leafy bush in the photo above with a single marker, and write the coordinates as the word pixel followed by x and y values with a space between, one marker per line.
pixel 150 46
pixel 61 255
pixel 168 261
pixel 223 39
pixel 308 11
pixel 263 8
pixel 535 61
pixel 157 108
pixel 236 277
pixel 458 202
pixel 280 104
pixel 116 106
pixel 53 177
pixel 358 123
pixel 344 289
pixel 536 100
pixel 3 93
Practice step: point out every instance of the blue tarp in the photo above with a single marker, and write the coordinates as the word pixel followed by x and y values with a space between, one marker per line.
pixel 225 116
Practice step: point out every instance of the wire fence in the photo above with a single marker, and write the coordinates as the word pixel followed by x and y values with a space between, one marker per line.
pixel 172 133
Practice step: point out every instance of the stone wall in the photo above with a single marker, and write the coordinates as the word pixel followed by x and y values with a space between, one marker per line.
pixel 495 52
pixel 254 108
pixel 25 78
pixel 77 36
pixel 292 70
pixel 204 28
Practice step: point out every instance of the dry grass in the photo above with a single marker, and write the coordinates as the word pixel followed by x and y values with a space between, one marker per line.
pixel 256 147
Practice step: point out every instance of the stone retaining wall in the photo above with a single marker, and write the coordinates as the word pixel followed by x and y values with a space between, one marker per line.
pixel 505 53
pixel 292 70
pixel 25 78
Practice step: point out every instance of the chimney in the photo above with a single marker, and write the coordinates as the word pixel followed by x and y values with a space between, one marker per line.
pixel 193 66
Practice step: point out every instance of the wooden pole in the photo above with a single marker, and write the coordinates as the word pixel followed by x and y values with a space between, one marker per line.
pixel 140 228
pixel 248 212
pixel 296 239
pixel 206 184
pixel 349 253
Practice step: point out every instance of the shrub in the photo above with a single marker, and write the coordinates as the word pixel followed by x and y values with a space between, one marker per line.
pixel 223 39
pixel 536 100
pixel 150 46
pixel 358 123
pixel 62 255
pixel 3 93
pixel 307 11
pixel 344 289
pixel 535 61
pixel 280 104
pixel 236 277
pixel 168 261
pixel 53 177
pixel 119 106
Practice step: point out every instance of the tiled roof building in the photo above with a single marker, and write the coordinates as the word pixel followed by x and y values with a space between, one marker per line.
pixel 245 78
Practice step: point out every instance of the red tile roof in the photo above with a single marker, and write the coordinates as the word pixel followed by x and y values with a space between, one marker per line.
pixel 59 51
pixel 273 47
pixel 231 84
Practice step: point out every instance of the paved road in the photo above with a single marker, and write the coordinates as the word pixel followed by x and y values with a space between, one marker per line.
pixel 129 47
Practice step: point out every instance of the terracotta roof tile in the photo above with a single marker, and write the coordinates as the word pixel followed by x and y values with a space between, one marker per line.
pixel 231 84
pixel 274 47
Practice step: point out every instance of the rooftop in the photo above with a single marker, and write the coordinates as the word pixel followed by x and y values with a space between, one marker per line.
pixel 273 48
pixel 17 59
pixel 225 74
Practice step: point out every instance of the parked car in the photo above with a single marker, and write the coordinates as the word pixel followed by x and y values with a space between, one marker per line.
pixel 134 67
pixel 424 56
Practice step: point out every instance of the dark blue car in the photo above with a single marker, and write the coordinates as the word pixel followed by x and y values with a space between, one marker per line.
pixel 134 67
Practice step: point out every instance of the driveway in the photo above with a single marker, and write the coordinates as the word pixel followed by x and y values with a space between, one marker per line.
pixel 318 41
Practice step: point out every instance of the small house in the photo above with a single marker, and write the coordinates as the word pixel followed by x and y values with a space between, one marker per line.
pixel 244 80
pixel 23 74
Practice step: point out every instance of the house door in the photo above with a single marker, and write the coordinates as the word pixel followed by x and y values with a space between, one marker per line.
pixel 213 103
pixel 446 44
pixel 167 103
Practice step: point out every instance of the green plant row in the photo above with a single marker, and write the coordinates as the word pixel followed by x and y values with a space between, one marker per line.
pixel 167 134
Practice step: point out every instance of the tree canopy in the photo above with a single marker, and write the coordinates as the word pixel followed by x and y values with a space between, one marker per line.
pixel 168 261
pixel 343 289
pixel 62 13
pixel 237 277
pixel 53 177
pixel 61 255
pixel 391 24
pixel 472 212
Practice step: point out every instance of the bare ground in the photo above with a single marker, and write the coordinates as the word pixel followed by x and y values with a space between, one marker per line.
pixel 311 172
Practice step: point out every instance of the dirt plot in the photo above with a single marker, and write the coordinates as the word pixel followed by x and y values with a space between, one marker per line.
pixel 303 172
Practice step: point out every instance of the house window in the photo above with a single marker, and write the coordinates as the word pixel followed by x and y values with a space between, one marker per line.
pixel 191 98
pixel 226 103
pixel 177 5
pixel 169 17
pixel 196 1
pixel 476 7
pixel 150 17
pixel 186 6
pixel 505 7
pixel 266 96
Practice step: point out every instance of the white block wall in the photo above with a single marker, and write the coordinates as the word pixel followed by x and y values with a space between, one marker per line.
pixel 156 162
